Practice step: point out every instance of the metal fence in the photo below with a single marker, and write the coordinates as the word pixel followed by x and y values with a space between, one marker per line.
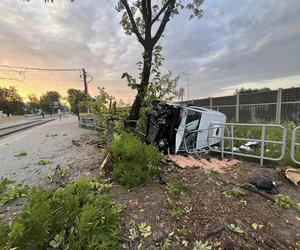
pixel 269 106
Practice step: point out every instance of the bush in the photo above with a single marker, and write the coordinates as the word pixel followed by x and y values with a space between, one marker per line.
pixel 134 162
pixel 79 216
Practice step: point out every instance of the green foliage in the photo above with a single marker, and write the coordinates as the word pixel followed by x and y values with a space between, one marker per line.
pixel 243 90
pixel 236 229
pixel 271 150
pixel 44 162
pixel 177 188
pixel 10 192
pixel 75 97
pixel 134 162
pixel 202 245
pixel 3 184
pixel 166 244
pixel 145 229
pixel 182 231
pixel 99 107
pixel 284 201
pixel 10 101
pixel 234 192
pixel 79 216
pixel 22 153
pixel 133 233
pixel 46 101
pixel 176 213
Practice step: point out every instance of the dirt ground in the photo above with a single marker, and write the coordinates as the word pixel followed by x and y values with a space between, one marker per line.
pixel 206 210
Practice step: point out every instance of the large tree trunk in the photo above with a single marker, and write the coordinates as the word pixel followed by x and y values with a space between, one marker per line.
pixel 142 88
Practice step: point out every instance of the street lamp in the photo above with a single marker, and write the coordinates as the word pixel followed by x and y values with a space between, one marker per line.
pixel 187 83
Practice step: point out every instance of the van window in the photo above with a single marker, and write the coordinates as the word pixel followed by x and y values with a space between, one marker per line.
pixel 191 124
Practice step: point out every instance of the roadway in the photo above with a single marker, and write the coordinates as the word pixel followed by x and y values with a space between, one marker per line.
pixel 50 141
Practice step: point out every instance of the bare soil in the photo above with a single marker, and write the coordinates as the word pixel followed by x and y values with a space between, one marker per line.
pixel 207 212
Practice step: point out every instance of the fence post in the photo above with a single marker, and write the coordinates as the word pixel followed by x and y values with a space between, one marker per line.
pixel 237 108
pixel 278 105
pixel 210 103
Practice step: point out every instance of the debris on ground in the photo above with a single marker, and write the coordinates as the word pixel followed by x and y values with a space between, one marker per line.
pixel 292 174
pixel 249 146
pixel 265 184
pixel 105 163
pixel 188 162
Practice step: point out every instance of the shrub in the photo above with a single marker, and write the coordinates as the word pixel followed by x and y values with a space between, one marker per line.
pixel 234 192
pixel 177 188
pixel 134 162
pixel 79 216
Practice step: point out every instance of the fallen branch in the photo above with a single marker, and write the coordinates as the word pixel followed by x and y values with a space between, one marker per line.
pixel 214 232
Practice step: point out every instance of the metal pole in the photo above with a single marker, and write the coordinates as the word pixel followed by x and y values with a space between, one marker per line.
pixel 262 149
pixel 210 103
pixel 278 105
pixel 84 81
pixel 237 108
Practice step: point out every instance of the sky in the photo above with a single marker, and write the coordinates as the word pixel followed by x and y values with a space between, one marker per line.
pixel 235 44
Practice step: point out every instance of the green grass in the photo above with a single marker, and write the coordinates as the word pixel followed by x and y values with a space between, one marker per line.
pixel 234 192
pixel 177 188
pixel 271 149
pixel 44 162
pixel 22 153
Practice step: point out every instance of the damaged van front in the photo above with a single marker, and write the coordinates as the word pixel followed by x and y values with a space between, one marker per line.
pixel 176 128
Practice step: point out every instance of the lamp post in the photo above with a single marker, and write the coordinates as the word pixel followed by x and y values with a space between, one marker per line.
pixel 187 83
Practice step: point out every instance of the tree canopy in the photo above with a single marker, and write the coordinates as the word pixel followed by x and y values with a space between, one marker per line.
pixel 147 21
pixel 10 101
pixel 242 90
pixel 47 101
pixel 75 97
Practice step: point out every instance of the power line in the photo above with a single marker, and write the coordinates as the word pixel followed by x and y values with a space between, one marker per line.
pixel 39 69
pixel 82 72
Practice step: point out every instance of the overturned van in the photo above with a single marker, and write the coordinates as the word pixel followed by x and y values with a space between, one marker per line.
pixel 182 129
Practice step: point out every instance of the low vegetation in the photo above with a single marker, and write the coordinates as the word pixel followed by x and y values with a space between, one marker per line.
pixel 284 201
pixel 79 216
pixel 134 162
pixel 44 162
pixel 234 192
pixel 10 192
pixel 22 153
pixel 202 245
pixel 234 228
pixel 271 149
pixel 177 188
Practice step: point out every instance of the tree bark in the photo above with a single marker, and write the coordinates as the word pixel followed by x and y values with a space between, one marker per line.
pixel 142 88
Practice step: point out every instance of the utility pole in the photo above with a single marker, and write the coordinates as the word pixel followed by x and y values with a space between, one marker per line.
pixel 188 83
pixel 84 81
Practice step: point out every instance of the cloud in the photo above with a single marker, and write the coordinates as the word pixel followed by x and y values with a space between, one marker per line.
pixel 233 44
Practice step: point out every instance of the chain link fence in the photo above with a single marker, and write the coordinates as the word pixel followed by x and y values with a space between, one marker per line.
pixel 269 106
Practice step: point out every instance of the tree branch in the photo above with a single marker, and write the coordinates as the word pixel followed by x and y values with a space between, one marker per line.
pixel 164 21
pixel 160 12
pixel 132 21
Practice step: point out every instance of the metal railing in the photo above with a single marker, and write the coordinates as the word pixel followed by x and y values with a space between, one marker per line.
pixel 262 141
pixel 295 144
